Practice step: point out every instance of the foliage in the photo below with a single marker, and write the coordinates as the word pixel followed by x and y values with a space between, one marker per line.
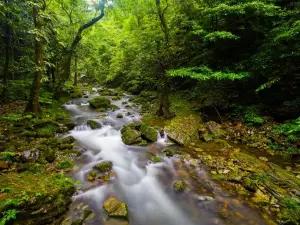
pixel 252 116
pixel 290 129
pixel 205 73
pixel 8 216
pixel 65 164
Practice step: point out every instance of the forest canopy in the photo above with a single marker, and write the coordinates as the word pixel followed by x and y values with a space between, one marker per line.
pixel 166 45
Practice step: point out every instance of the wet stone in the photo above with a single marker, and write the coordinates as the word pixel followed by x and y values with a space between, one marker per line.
pixel 115 208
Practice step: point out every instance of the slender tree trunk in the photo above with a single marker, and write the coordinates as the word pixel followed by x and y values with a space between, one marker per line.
pixel 12 64
pixel 164 107
pixel 7 42
pixel 76 72
pixel 33 102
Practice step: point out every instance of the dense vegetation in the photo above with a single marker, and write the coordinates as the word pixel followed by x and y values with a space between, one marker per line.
pixel 234 61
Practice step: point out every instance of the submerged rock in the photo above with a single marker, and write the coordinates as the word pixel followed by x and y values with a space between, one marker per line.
pixel 104 166
pixel 93 124
pixel 179 186
pixel 100 102
pixel 115 208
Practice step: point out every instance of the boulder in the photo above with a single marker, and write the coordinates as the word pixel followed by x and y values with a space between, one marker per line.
pixel 120 116
pixel 115 208
pixel 93 124
pixel 104 166
pixel 100 102
pixel 215 129
pixel 92 176
pixel 131 137
pixel 148 132
pixel 138 134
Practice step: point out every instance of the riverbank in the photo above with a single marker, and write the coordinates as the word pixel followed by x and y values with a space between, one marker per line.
pixel 238 157
pixel 34 158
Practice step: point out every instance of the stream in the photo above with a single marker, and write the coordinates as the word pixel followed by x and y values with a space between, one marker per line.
pixel 146 187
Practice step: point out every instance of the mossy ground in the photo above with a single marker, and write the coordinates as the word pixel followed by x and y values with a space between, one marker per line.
pixel 33 190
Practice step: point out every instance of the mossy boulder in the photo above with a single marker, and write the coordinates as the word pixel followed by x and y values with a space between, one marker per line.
pixel 104 166
pixel 116 98
pixel 179 186
pixel 131 137
pixel 148 132
pixel 100 102
pixel 138 134
pixel 115 208
pixel 120 116
pixel 215 129
pixel 93 124
pixel 114 107
pixel 70 125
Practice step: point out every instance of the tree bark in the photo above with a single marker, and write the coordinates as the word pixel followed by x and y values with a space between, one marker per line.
pixel 76 72
pixel 70 51
pixel 33 102
pixel 7 42
pixel 164 107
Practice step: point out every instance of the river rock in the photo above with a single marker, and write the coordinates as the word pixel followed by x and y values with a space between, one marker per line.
pixel 131 137
pixel 168 152
pixel 120 116
pixel 104 166
pixel 138 134
pixel 100 102
pixel 215 129
pixel 115 208
pixel 93 124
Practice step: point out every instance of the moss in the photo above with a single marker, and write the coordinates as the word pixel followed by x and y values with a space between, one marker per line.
pixel 99 102
pixel 120 116
pixel 69 124
pixel 104 166
pixel 148 132
pixel 179 186
pixel 65 164
pixel 92 175
pixel 116 98
pixel 30 192
pixel 93 124
pixel 114 107
pixel 130 137
pixel 156 159
pixel 115 208
pixel 168 152
pixel 76 92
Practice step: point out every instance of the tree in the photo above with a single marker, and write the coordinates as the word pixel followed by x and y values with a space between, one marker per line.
pixel 33 102
pixel 66 68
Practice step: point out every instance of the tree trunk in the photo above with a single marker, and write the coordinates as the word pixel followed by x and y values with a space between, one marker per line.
pixel 164 107
pixel 7 42
pixel 76 72
pixel 69 53
pixel 33 102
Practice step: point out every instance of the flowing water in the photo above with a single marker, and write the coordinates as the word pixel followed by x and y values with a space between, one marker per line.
pixel 146 187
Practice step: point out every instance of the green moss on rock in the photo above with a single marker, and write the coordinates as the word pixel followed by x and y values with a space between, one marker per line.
pixel 99 102
pixel 93 124
pixel 104 166
pixel 115 208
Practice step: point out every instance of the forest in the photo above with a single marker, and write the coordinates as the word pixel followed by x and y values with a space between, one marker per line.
pixel 115 101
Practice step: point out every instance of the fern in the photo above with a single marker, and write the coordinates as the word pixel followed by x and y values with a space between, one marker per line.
pixel 205 73
pixel 220 35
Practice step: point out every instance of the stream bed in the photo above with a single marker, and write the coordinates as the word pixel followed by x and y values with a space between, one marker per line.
pixel 146 187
